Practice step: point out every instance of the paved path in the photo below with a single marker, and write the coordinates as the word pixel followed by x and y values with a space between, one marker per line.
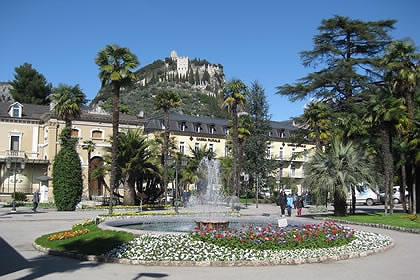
pixel 18 260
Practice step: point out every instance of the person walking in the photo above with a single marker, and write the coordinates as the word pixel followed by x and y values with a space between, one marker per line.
pixel 289 205
pixel 299 205
pixel 35 200
pixel 282 202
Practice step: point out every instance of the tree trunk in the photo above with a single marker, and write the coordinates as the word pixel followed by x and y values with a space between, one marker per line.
pixel 129 191
pixel 235 168
pixel 339 205
pixel 165 155
pixel 89 177
pixel 403 184
pixel 387 167
pixel 353 200
pixel 115 140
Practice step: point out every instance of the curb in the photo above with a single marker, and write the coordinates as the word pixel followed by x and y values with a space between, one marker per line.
pixel 289 261
pixel 382 226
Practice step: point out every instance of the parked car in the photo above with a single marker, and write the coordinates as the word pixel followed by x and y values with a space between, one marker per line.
pixel 395 196
pixel 366 196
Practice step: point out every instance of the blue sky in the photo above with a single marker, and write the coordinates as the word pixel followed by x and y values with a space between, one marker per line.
pixel 254 40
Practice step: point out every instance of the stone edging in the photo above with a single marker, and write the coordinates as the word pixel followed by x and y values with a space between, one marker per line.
pixel 213 263
pixel 382 226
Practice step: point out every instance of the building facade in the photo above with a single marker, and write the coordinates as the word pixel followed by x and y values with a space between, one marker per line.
pixel 31 136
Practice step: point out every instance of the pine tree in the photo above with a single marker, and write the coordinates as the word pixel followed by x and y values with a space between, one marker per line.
pixel 197 77
pixel 29 86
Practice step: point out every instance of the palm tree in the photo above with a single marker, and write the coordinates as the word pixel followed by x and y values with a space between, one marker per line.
pixel 235 92
pixel 402 63
pixel 166 100
pixel 115 69
pixel 386 112
pixel 89 146
pixel 316 120
pixel 67 102
pixel 336 170
pixel 134 160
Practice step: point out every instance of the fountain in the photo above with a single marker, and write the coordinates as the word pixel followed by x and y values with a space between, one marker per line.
pixel 208 203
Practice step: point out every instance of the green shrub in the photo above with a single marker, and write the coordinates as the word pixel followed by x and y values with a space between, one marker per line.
pixel 67 175
pixel 19 196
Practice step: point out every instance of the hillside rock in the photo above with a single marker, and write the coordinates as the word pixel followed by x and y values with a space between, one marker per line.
pixel 198 82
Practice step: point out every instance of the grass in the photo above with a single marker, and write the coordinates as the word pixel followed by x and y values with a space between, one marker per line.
pixel 397 219
pixel 95 242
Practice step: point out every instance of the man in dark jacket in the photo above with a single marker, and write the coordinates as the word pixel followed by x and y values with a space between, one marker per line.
pixel 282 202
pixel 35 200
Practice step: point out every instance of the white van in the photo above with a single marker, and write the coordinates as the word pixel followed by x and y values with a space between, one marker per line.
pixel 366 196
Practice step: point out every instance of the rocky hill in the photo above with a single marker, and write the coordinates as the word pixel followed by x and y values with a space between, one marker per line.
pixel 198 82
pixel 5 95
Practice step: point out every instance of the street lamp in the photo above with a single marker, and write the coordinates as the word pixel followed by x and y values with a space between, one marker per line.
pixel 183 163
pixel 15 161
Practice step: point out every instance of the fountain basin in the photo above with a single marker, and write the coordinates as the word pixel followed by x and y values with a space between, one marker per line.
pixel 213 224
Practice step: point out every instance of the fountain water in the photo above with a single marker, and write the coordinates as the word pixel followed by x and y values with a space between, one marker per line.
pixel 209 187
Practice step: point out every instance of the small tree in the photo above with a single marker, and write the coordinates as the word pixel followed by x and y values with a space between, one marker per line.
pixel 67 174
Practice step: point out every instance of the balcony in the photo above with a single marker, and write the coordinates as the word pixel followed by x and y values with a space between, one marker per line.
pixel 12 154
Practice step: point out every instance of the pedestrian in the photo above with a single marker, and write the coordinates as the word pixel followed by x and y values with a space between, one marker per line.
pixel 289 205
pixel 282 202
pixel 35 200
pixel 299 205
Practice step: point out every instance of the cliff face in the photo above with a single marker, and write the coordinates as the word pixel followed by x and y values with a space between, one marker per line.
pixel 5 95
pixel 198 82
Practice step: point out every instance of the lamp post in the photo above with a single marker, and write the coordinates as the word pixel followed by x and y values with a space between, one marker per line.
pixel 183 163
pixel 15 161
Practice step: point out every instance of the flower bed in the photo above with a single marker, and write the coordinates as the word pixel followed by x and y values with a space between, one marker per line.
pixel 67 234
pixel 324 235
pixel 187 248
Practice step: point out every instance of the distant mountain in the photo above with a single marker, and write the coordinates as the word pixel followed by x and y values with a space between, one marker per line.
pixel 198 82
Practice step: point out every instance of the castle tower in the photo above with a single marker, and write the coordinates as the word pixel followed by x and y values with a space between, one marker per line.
pixel 174 55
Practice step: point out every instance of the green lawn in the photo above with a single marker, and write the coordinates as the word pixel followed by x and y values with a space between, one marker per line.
pixel 397 219
pixel 95 242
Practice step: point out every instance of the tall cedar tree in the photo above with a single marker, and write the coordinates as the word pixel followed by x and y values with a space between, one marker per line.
pixel 115 69
pixel 29 86
pixel 67 174
pixel 349 51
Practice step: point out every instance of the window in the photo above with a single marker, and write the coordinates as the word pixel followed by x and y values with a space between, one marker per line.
pixel 183 126
pixel 268 152
pixel 16 111
pixel 281 172
pixel 226 151
pixel 281 153
pixel 197 147
pixel 282 134
pixel 293 168
pixel 212 130
pixel 74 132
pixel 270 133
pixel 162 125
pixel 97 134
pixel 181 147
pixel 211 148
pixel 14 143
pixel 45 133
pixel 197 128
pixel 226 131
